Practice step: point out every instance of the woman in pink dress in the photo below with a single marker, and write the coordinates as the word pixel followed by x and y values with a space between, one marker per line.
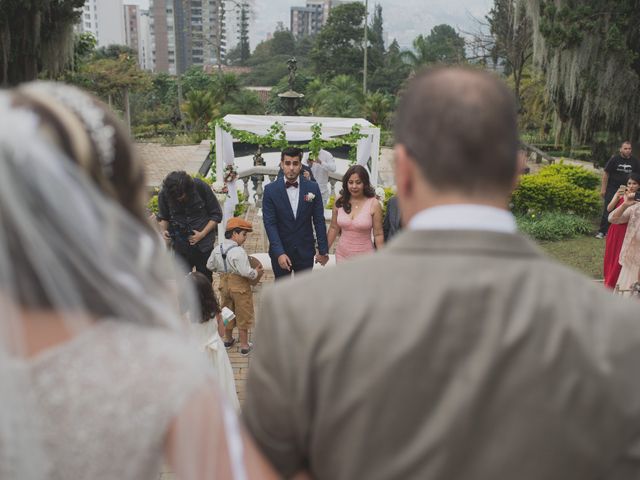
pixel 356 214
pixel 616 233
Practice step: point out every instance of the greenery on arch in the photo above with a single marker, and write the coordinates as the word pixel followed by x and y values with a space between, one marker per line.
pixel 276 138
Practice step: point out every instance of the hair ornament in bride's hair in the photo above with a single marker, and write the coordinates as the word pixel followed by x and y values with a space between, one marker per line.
pixel 92 116
pixel 19 126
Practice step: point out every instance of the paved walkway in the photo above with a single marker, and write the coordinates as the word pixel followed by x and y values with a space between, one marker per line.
pixel 254 244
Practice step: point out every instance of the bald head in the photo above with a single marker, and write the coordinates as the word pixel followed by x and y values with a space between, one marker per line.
pixel 459 126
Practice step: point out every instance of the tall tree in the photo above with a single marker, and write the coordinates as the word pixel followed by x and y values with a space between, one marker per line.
pixel 442 45
pixel 283 43
pixel 591 55
pixel 420 55
pixel 393 72
pixel 245 50
pixel 338 48
pixel 512 38
pixel 446 45
pixel 114 79
pixel 36 36
pixel 376 41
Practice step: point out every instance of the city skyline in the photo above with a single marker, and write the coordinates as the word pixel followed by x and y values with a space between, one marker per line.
pixel 403 19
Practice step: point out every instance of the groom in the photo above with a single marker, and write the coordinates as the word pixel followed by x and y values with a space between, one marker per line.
pixel 291 207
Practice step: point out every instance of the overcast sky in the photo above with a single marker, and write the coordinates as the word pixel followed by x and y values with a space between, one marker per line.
pixel 403 19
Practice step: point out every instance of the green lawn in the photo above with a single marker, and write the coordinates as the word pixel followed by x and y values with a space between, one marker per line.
pixel 583 253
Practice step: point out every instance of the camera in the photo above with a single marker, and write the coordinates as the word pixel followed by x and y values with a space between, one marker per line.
pixel 637 197
pixel 179 231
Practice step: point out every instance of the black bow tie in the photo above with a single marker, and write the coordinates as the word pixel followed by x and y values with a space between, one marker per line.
pixel 291 184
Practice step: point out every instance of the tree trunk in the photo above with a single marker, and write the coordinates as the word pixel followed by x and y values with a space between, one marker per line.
pixel 127 112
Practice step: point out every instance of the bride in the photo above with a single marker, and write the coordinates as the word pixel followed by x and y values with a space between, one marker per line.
pixel 96 378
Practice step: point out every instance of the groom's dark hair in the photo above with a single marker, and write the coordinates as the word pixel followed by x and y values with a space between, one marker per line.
pixel 291 152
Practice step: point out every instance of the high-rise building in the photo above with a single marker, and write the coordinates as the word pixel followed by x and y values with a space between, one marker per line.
pixel 310 19
pixel 104 20
pixel 186 33
pixel 239 17
pixel 145 41
pixel 132 26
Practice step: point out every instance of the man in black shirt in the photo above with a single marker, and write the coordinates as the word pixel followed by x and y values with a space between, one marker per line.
pixel 188 213
pixel 616 172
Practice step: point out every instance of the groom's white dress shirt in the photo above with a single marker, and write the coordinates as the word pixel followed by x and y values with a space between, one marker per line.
pixel 293 194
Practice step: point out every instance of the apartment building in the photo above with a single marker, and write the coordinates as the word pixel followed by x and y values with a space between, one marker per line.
pixel 104 19
pixel 186 33
pixel 310 19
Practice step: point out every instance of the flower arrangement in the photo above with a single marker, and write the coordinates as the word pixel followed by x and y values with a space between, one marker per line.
pixel 221 191
pixel 230 173
pixel 380 194
pixel 309 197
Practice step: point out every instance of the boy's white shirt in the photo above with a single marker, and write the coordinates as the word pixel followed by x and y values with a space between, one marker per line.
pixel 237 260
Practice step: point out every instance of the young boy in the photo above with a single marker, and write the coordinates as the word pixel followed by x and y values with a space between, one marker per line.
pixel 232 262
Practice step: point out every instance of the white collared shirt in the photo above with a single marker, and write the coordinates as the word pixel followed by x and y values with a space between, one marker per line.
pixel 237 260
pixel 464 217
pixel 293 194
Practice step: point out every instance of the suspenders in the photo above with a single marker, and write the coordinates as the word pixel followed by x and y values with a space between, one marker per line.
pixel 224 256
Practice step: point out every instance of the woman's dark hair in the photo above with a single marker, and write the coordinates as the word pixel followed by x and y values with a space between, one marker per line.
pixel 345 197
pixel 204 292
pixel 634 176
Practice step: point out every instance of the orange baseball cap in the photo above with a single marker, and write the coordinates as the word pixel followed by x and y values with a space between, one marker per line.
pixel 237 222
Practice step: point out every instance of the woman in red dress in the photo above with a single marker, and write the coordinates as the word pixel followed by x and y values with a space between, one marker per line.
pixel 616 232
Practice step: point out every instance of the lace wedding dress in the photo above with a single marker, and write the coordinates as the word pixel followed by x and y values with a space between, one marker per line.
pixel 105 400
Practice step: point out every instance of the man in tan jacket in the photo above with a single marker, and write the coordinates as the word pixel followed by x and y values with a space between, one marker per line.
pixel 459 351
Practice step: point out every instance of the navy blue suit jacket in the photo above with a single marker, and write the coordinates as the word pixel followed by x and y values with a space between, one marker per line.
pixel 294 236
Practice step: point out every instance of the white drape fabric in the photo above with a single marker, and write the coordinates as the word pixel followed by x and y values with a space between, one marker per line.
pixel 299 129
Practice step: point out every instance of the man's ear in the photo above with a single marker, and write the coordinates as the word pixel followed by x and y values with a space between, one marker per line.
pixel 405 171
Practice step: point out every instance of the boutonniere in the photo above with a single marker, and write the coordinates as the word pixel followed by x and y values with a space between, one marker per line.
pixel 309 197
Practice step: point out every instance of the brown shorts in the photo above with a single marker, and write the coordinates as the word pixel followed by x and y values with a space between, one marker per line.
pixel 236 294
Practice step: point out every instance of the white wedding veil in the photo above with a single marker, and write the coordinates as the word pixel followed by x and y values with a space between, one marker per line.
pixel 72 255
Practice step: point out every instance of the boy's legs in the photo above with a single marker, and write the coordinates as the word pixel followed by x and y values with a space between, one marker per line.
pixel 226 300
pixel 243 302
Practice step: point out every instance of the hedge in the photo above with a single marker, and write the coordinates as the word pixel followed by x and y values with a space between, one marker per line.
pixel 558 188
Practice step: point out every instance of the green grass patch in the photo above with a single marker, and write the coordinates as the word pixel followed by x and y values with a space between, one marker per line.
pixel 552 226
pixel 582 253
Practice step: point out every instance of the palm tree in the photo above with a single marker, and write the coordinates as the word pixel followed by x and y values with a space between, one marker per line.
pixel 340 104
pixel 225 85
pixel 421 54
pixel 199 109
pixel 312 97
pixel 244 102
pixel 377 107
pixel 348 85
pixel 341 97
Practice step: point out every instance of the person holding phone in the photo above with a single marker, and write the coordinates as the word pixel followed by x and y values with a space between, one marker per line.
pixel 615 174
pixel 628 212
pixel 617 232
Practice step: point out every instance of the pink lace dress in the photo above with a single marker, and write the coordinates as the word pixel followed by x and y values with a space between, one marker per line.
pixel 355 234
pixel 630 251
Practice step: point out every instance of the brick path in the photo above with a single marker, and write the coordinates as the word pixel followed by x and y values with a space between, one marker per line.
pixel 239 363
pixel 253 244
pixel 160 159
